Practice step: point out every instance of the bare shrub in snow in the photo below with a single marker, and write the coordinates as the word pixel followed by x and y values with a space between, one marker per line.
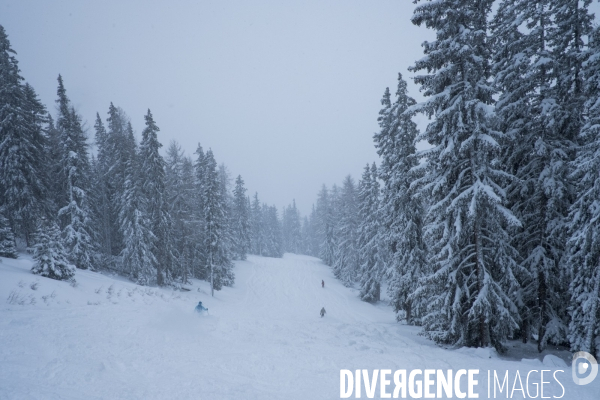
pixel 110 291
pixel 49 296
pixel 13 297
pixel 16 298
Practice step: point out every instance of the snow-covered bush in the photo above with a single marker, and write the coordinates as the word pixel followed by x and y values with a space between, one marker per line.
pixel 7 239
pixel 50 258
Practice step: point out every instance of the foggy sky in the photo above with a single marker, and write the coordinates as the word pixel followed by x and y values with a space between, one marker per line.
pixel 286 93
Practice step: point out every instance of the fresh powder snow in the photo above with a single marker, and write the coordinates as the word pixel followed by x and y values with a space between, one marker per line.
pixel 105 337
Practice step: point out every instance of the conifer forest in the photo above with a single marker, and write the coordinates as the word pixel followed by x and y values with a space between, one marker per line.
pixel 480 227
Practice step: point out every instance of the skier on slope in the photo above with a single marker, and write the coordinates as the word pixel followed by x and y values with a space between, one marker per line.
pixel 322 312
pixel 200 307
pixel 322 283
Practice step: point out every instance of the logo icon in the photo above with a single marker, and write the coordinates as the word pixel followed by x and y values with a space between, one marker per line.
pixel 582 363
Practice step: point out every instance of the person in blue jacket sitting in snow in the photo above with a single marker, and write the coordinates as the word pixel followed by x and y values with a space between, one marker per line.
pixel 200 307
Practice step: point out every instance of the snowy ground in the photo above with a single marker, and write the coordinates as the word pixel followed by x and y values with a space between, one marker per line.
pixel 107 338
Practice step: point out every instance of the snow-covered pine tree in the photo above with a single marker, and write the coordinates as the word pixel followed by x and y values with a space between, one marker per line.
pixel 50 258
pixel 119 150
pixel 537 149
pixel 219 262
pixel 256 224
pixel 272 232
pixel 402 212
pixel 138 259
pixel 291 229
pixel 189 215
pixel 314 233
pixel 276 233
pixel 295 229
pixel 584 217
pixel 152 177
pixel 74 214
pixel 241 220
pixel 385 142
pixel 93 198
pixel 23 191
pixel 101 196
pixel 53 154
pixel 63 123
pixel 266 243
pixel 326 226
pixel 306 236
pixel 334 215
pixel 225 188
pixel 284 229
pixel 8 247
pixel 572 26
pixel 469 245
pixel 175 196
pixel 250 222
pixel 572 23
pixel 345 264
pixel 200 256
pixel 370 257
pixel 37 117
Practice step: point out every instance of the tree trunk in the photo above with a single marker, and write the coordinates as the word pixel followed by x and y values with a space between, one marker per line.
pixel 542 299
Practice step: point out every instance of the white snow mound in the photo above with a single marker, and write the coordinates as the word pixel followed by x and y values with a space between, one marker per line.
pixel 107 338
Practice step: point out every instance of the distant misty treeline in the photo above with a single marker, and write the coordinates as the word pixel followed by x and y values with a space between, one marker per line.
pixel 494 231
pixel 123 208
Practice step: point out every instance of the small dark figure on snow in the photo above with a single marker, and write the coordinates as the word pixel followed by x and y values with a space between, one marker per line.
pixel 322 283
pixel 200 307
pixel 322 312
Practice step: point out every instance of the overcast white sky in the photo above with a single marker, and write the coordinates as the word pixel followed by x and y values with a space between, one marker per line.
pixel 286 93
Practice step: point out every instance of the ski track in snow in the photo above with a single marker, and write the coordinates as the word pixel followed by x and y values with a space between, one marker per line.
pixel 262 339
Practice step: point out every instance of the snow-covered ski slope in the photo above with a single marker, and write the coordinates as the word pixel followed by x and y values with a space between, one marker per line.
pixel 107 338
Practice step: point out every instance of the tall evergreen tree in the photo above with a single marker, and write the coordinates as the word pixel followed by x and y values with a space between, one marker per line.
pixel 538 146
pixel 370 255
pixel 74 214
pixel 402 212
pixel 306 234
pixel 473 263
pixel 201 261
pixel 241 220
pixel 37 117
pixel 272 234
pixel 326 226
pixel 138 259
pixel 291 227
pixel 152 176
pixel 312 233
pixel 54 156
pixel 189 216
pixel 100 189
pixel 23 163
pixel 225 188
pixel 119 149
pixel 215 217
pixel 175 197
pixel 256 223
pixel 584 218
pixel 572 22
pixel 345 264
